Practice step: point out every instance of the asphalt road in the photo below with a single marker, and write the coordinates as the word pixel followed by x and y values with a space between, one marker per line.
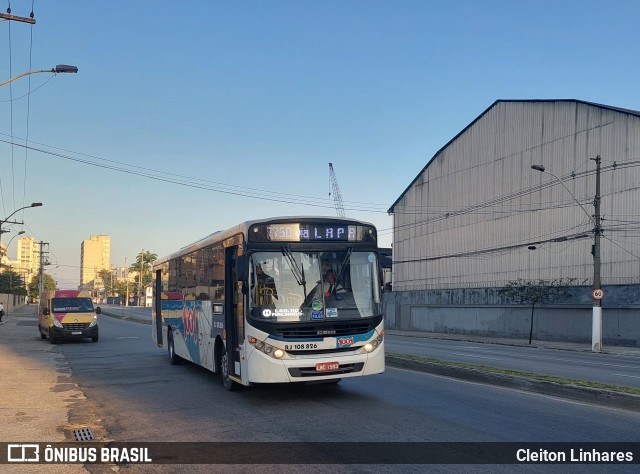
pixel 616 366
pixel 124 389
pixel 137 395
pixel 614 369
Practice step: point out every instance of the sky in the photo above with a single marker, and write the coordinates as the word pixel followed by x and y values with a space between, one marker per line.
pixel 190 117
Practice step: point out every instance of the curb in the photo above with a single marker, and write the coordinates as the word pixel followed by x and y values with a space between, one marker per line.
pixel 125 317
pixel 608 398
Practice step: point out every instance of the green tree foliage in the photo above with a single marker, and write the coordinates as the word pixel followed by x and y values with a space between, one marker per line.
pixel 535 292
pixel 12 283
pixel 143 265
pixel 49 285
pixel 108 280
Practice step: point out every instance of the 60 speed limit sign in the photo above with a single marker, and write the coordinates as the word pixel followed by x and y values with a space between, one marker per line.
pixel 597 294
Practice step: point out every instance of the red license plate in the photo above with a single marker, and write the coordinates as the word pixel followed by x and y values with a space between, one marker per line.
pixel 327 366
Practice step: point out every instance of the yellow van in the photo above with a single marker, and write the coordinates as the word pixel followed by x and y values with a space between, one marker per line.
pixel 67 314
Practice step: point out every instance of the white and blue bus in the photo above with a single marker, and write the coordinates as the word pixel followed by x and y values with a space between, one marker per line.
pixel 291 299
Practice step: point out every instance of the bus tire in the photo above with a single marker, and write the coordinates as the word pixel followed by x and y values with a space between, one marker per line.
pixel 173 357
pixel 42 334
pixel 94 338
pixel 228 384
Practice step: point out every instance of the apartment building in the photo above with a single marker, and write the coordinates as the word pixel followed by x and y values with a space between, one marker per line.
pixel 95 255
pixel 27 257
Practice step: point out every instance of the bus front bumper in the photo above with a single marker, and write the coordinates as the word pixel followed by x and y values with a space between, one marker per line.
pixel 265 369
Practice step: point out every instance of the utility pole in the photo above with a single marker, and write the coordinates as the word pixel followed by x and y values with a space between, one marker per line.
pixel 596 323
pixel 9 17
pixel 140 285
pixel 126 279
pixel 41 270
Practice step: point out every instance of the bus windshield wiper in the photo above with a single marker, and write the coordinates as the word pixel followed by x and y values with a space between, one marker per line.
pixel 295 269
pixel 343 265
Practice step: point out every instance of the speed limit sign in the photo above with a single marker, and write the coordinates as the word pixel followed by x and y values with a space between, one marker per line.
pixel 597 294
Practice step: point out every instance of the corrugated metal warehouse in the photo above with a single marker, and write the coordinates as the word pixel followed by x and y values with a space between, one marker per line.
pixel 478 217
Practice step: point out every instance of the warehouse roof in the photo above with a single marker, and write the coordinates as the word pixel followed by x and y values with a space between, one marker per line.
pixel 617 109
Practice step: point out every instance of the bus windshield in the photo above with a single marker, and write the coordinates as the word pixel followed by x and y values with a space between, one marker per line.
pixel 71 305
pixel 290 286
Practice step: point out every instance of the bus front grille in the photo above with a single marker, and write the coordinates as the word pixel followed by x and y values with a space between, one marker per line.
pixel 309 332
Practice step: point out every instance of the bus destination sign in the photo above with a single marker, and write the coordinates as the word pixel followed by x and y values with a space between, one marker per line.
pixel 311 233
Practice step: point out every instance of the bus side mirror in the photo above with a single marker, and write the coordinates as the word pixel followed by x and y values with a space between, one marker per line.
pixel 45 311
pixel 98 310
pixel 241 267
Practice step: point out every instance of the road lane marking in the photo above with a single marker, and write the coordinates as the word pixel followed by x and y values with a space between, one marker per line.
pixel 631 376
pixel 475 356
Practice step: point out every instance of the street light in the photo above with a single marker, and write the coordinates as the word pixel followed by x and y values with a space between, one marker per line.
pixel 59 69
pixel 11 239
pixel 596 320
pixel 10 270
pixel 6 219
pixel 543 170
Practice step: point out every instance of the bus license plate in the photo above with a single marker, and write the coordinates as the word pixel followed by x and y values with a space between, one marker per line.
pixel 327 366
pixel 76 333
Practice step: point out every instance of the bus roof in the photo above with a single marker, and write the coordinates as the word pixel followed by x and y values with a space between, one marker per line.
pixel 243 229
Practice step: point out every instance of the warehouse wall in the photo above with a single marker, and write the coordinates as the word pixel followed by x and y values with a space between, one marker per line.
pixel 470 215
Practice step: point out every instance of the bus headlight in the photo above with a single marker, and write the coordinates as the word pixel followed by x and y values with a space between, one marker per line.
pixel 373 344
pixel 57 323
pixel 267 349
pixel 94 321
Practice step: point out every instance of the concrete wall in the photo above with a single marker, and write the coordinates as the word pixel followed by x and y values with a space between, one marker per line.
pixel 11 302
pixel 483 312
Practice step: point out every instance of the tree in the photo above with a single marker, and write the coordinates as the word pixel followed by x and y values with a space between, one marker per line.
pixel 11 283
pixel 107 280
pixel 34 287
pixel 143 265
pixel 532 292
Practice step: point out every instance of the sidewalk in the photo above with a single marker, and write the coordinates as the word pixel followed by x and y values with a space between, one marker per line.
pixel 558 345
pixel 37 396
pixel 131 313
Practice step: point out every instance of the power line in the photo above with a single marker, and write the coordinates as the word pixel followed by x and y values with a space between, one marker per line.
pixel 470 253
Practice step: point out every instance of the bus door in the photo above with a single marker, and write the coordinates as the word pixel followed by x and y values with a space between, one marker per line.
pixel 158 309
pixel 233 312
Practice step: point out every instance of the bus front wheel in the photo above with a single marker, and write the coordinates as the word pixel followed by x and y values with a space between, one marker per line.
pixel 228 384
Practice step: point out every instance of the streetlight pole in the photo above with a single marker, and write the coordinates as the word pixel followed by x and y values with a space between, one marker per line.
pixel 11 240
pixel 10 271
pixel 6 219
pixel 59 69
pixel 596 322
